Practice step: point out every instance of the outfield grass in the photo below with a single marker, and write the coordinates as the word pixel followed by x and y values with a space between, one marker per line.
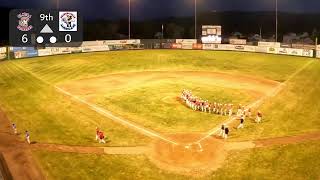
pixel 300 161
pixel 63 68
pixel 51 117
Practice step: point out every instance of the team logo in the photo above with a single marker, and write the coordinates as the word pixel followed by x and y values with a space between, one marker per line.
pixel 24 19
pixel 68 21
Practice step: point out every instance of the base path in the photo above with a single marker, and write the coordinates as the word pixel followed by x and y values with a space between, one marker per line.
pixel 90 150
pixel 17 154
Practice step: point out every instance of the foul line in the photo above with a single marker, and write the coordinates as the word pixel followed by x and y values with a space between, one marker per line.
pixel 257 103
pixel 102 111
pixel 108 114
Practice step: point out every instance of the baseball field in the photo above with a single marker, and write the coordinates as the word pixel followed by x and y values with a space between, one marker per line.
pixel 134 97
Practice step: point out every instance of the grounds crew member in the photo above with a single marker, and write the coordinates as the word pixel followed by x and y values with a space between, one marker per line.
pixel 28 137
pixel 259 117
pixel 14 127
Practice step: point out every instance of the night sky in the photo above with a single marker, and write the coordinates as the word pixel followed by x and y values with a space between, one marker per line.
pixel 148 9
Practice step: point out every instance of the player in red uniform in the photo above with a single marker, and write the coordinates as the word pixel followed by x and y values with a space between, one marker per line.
pixel 101 137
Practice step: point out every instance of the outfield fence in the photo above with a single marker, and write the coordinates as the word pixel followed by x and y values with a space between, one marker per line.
pixel 311 51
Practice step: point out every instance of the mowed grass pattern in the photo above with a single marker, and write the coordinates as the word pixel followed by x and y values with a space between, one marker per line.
pixel 297 162
pixel 56 69
pixel 51 117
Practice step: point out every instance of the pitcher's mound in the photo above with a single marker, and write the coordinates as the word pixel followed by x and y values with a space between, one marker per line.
pixel 188 157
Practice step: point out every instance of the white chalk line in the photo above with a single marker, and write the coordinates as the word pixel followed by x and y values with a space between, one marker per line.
pixel 108 114
pixel 102 111
pixel 257 103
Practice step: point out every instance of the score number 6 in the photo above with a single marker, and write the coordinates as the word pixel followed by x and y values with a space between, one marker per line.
pixel 24 38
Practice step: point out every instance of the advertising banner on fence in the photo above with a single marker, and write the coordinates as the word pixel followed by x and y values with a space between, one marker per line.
pixel 197 46
pixel 57 50
pixel 239 47
pixel 121 42
pixel 269 44
pixel 187 46
pixel 272 50
pixel 208 46
pixel 14 49
pixel 238 41
pixel 3 56
pixel 295 52
pixel 249 48
pixel 19 54
pixel 3 50
pixel 25 54
pixel 303 46
pixel 307 53
pixel 261 49
pixel 176 46
pixel 318 54
pixel 95 48
pixel 283 51
pixel 44 52
pixel 92 43
pixel 186 41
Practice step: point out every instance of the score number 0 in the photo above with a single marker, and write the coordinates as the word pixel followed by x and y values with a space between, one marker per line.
pixel 67 38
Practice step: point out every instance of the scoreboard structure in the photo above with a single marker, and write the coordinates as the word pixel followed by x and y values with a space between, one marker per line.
pixel 28 27
pixel 211 34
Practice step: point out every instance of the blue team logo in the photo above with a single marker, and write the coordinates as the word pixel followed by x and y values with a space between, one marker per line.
pixel 23 23
pixel 68 21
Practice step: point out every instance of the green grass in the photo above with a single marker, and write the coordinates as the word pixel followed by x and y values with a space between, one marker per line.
pixel 54 118
pixel 300 161
pixel 294 110
pixel 51 117
pixel 77 66
pixel 156 104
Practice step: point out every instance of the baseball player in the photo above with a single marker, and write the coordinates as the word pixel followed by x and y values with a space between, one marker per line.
pixel 241 122
pixel 14 127
pixel 28 137
pixel 226 132
pixel 230 109
pixel 259 117
pixel 97 133
pixel 222 131
pixel 225 109
pixel 249 113
pixel 101 137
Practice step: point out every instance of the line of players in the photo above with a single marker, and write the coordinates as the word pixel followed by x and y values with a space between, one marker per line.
pixel 197 104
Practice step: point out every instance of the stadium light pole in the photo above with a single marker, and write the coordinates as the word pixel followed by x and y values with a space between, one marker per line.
pixel 57 4
pixel 276 20
pixel 129 30
pixel 195 19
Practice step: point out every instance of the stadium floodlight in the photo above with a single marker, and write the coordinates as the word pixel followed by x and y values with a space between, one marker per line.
pixel 129 25
pixel 195 19
pixel 276 21
pixel 57 4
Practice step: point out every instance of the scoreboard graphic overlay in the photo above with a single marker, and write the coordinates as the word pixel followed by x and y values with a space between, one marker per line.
pixel 45 27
